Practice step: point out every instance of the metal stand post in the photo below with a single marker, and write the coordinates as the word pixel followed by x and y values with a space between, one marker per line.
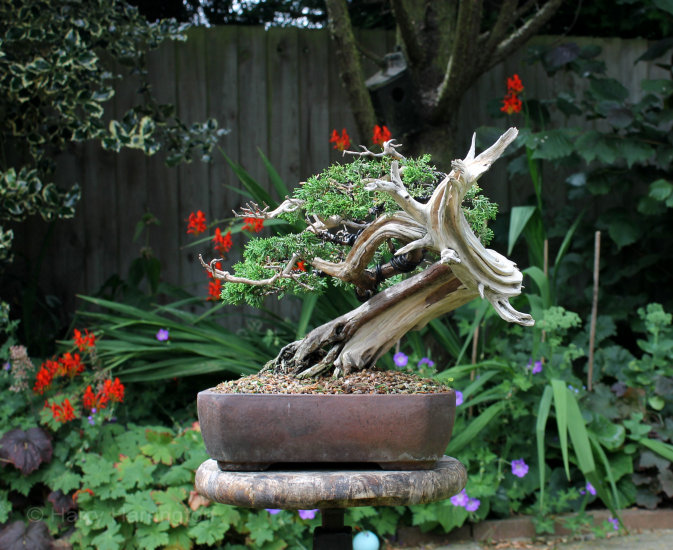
pixel 332 534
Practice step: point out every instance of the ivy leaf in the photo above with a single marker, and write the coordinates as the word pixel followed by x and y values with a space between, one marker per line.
pixel 152 536
pixel 26 450
pixel 623 232
pixel 171 506
pixel 658 86
pixel 552 145
pixel 664 5
pixel 608 89
pixel 661 190
pixel 18 536
pixel 136 472
pixel 634 151
pixel 139 507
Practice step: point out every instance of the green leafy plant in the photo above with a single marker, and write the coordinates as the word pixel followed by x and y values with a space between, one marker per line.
pixel 59 61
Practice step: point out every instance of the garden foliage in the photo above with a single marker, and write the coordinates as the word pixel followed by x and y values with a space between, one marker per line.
pixel 59 61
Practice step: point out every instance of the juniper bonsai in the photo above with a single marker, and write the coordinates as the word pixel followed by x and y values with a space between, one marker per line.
pixel 409 239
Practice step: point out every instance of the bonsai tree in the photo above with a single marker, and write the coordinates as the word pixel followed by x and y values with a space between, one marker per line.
pixel 409 239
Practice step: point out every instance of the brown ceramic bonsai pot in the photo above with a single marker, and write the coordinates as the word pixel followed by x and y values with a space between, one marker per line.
pixel 393 431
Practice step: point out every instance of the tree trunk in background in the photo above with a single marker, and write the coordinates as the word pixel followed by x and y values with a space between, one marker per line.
pixel 447 49
pixel 350 69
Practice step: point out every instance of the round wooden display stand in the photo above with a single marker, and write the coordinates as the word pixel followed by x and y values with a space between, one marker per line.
pixel 331 491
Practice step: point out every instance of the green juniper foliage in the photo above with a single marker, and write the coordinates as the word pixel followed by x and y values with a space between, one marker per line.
pixel 340 191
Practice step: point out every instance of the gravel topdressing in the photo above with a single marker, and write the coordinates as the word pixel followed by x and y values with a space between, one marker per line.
pixel 368 381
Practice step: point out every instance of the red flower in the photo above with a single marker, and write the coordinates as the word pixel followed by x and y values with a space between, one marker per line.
pixel 301 266
pixel 84 342
pixel 381 135
pixel 70 365
pixel 222 242
pixel 114 391
pixel 253 224
pixel 94 401
pixel 342 142
pixel 62 413
pixel 43 380
pixel 197 223
pixel 511 104
pixel 214 289
pixel 514 84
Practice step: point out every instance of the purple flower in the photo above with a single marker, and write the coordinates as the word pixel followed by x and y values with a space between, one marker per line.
pixel 461 499
pixel 307 514
pixel 426 361
pixel 519 467
pixel 273 511
pixel 7 365
pixel 472 505
pixel 162 334
pixel 591 488
pixel 91 420
pixel 93 411
pixel 400 359
pixel 615 523
pixel 537 367
pixel 459 398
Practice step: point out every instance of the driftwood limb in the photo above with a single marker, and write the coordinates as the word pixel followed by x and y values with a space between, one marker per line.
pixel 460 269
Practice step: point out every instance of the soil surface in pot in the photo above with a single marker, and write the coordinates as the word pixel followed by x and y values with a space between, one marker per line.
pixel 367 381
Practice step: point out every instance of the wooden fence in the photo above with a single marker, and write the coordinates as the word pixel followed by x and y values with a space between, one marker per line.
pixel 277 91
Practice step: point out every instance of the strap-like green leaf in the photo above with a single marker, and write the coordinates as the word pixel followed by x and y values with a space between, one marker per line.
pixel 518 218
pixel 540 429
pixel 561 408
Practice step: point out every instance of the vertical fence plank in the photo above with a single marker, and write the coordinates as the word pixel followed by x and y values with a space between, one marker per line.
pixel 252 100
pixel 99 199
pixel 162 181
pixel 314 97
pixel 283 95
pixel 65 256
pixel 193 184
pixel 131 176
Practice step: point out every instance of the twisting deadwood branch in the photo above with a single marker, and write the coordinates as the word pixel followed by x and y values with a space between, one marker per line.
pixel 432 234
pixel 389 150
pixel 252 209
pixel 285 273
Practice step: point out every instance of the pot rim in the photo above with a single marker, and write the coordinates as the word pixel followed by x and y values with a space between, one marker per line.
pixel 210 391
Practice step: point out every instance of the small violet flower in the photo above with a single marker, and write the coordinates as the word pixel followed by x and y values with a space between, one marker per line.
pixel 426 361
pixel 307 514
pixel 162 334
pixel 519 467
pixel 536 367
pixel 273 511
pixel 615 523
pixel 472 505
pixel 91 420
pixel 400 359
pixel 461 499
pixel 459 398
pixel 591 489
pixel 7 365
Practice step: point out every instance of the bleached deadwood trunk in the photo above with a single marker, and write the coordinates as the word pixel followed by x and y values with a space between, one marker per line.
pixel 465 270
